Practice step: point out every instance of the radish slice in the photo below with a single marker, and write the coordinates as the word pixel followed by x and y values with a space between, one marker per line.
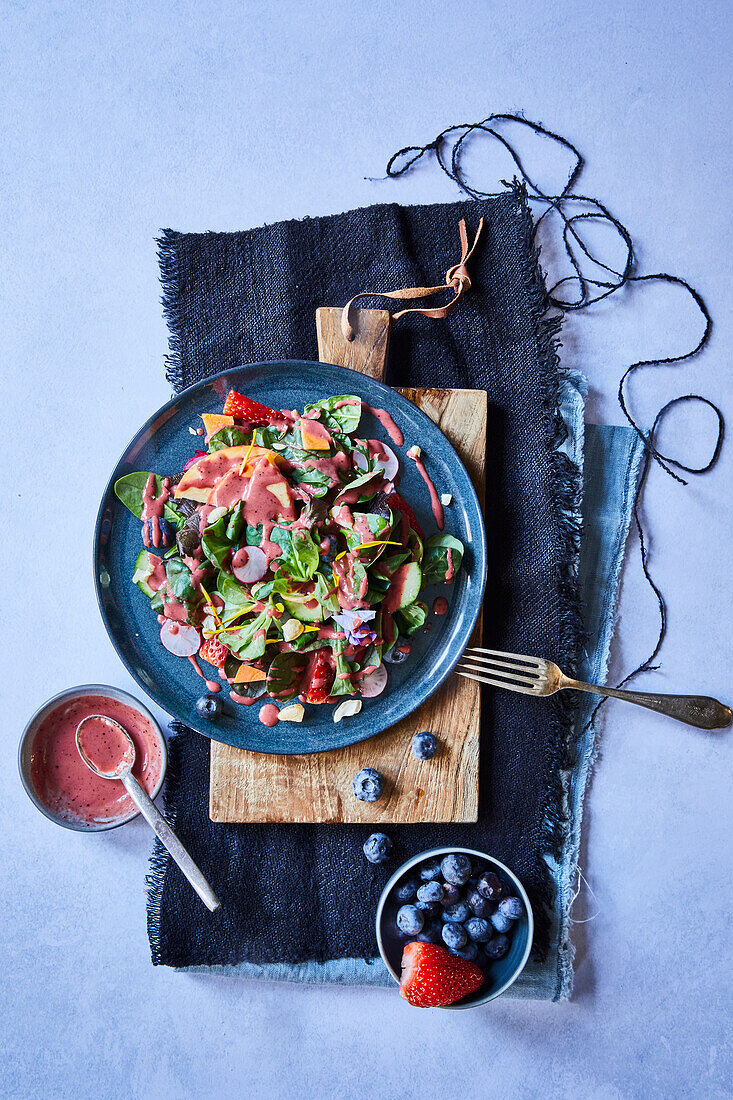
pixel 373 683
pixel 180 639
pixel 249 564
pixel 388 464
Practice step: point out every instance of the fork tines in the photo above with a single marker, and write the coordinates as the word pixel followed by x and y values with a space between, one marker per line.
pixel 514 671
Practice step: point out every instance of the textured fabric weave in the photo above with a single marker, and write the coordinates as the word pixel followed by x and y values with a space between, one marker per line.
pixel 297 893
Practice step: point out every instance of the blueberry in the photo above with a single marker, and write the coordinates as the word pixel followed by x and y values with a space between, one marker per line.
pixel 479 929
pixel 452 894
pixel 479 905
pixel 500 922
pixel 489 886
pixel 431 908
pixel 511 907
pixel 424 745
pixel 469 952
pixel 454 935
pixel 410 920
pixel 368 785
pixel 166 537
pixel 430 870
pixel 406 890
pixel 456 914
pixel 210 707
pixel 431 891
pixel 431 932
pixel 497 947
pixel 377 848
pixel 397 654
pixel 456 869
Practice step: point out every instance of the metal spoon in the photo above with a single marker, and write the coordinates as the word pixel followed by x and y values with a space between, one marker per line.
pixel 123 773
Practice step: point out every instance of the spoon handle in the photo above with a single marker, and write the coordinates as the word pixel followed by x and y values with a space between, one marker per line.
pixel 169 839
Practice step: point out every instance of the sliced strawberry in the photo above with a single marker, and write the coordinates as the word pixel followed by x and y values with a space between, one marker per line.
pixel 432 977
pixel 215 652
pixel 319 678
pixel 244 408
pixel 407 512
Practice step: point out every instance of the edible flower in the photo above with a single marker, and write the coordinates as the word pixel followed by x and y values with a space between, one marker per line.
pixel 353 625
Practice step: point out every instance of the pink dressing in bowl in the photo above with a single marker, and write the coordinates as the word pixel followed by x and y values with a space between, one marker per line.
pixel 64 783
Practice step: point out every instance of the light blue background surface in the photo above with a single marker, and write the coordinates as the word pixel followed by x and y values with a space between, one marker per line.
pixel 120 119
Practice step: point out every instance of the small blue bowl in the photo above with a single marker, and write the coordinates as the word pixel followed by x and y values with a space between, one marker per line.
pixel 502 972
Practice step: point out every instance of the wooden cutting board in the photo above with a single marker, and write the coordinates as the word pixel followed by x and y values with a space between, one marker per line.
pixel 255 787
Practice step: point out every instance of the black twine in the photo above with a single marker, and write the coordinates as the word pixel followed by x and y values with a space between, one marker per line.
pixel 448 147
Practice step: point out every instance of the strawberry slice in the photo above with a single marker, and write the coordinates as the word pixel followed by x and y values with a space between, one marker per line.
pixel 432 977
pixel 407 512
pixel 244 408
pixel 214 651
pixel 321 678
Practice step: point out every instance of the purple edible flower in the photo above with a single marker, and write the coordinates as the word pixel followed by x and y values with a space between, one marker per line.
pixel 353 625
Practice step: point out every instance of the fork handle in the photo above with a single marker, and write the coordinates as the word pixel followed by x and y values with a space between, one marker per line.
pixel 695 710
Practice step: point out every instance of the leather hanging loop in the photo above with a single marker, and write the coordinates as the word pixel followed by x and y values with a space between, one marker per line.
pixel 457 279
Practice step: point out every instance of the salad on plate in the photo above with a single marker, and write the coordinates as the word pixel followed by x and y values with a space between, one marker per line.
pixel 284 556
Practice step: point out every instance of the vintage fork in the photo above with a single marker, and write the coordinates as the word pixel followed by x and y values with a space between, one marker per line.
pixel 533 676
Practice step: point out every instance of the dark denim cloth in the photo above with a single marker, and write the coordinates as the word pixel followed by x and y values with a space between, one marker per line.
pixel 298 892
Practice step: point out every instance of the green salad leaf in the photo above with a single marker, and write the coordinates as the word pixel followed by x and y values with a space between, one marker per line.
pixel 285 674
pixel 236 597
pixel 341 686
pixel 435 558
pixel 216 545
pixel 300 557
pixel 228 437
pixel 362 483
pixel 249 640
pixel 129 491
pixel 344 420
pixel 318 479
pixel 179 579
pixel 409 619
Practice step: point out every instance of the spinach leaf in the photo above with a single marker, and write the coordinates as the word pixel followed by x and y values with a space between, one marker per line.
pixel 284 676
pixel 308 476
pixel 235 595
pixel 327 599
pixel 267 435
pixel 341 686
pixel 179 579
pixel 409 619
pixel 346 419
pixel 378 527
pixel 228 437
pixel 129 491
pixel 215 543
pixel 435 566
pixel 253 535
pixel 300 557
pixel 362 483
pixel 248 642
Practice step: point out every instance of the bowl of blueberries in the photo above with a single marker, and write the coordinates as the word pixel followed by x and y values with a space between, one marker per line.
pixel 465 901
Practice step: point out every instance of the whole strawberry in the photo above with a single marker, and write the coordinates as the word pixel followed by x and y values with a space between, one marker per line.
pixel 432 977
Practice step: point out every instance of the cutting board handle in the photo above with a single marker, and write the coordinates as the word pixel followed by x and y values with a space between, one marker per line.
pixel 367 352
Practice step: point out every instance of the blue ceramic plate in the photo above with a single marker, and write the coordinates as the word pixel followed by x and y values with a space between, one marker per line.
pixel 164 445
